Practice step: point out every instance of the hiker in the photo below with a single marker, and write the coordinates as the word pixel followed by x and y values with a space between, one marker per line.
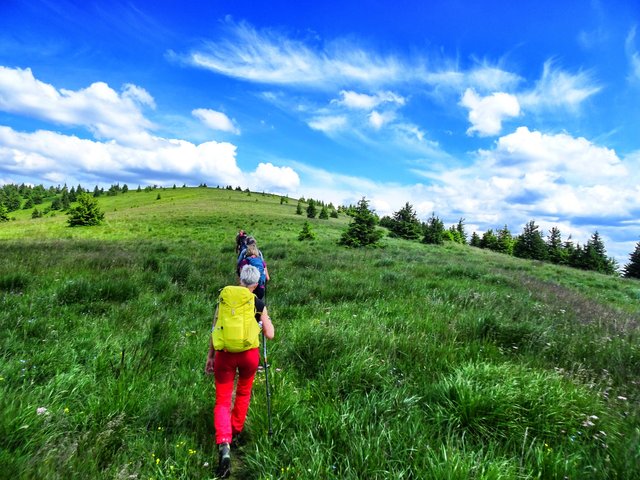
pixel 241 241
pixel 250 241
pixel 252 257
pixel 229 357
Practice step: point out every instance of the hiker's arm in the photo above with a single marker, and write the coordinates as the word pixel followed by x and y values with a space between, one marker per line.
pixel 267 326
pixel 208 369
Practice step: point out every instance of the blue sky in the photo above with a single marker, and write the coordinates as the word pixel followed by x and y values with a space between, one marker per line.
pixel 496 112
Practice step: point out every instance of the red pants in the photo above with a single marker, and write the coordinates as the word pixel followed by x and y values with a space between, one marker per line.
pixel 228 422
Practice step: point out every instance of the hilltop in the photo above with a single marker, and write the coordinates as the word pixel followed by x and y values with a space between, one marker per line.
pixel 406 361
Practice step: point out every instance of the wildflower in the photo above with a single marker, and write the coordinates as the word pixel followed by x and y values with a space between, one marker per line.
pixel 157 461
pixel 588 423
pixel 620 397
pixel 66 409
pixel 42 411
pixel 205 464
pixel 192 452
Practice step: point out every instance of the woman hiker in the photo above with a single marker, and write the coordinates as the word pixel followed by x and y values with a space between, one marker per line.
pixel 226 365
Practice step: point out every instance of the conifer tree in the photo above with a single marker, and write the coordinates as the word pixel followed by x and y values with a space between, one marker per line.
pixel 489 240
pixel 86 212
pixel 324 213
pixel 405 223
pixel 362 230
pixel 530 244
pixel 632 269
pixel 299 209
pixel 433 231
pixel 306 233
pixel 555 252
pixel 311 209
pixel 505 242
pixel 475 240
pixel 461 232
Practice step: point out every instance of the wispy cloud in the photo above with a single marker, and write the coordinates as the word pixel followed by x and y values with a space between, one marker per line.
pixel 632 55
pixel 328 123
pixel 216 120
pixel 363 101
pixel 559 89
pixel 268 56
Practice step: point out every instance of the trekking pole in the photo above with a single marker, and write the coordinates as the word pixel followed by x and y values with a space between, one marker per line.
pixel 266 369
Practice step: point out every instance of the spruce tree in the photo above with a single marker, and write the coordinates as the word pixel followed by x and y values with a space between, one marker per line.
pixel 632 269
pixel 299 209
pixel 306 233
pixel 405 224
pixel 86 213
pixel 433 231
pixel 324 213
pixel 311 209
pixel 362 230
pixel 555 252
pixel 530 243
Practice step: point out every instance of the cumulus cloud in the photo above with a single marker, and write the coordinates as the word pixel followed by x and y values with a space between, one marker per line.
pixel 106 113
pixel 271 178
pixel 487 113
pixel 557 88
pixel 216 120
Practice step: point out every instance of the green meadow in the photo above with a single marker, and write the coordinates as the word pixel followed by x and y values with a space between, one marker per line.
pixel 407 361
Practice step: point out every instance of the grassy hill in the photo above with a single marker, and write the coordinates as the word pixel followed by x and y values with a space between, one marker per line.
pixel 408 361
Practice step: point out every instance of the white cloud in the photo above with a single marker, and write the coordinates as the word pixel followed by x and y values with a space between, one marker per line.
pixel 328 123
pixel 377 119
pixel 267 56
pixel 268 177
pixel 632 55
pixel 60 158
pixel 99 108
pixel 487 113
pixel 362 101
pixel 557 88
pixel 216 120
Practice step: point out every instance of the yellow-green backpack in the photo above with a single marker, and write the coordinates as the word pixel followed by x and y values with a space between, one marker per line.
pixel 236 329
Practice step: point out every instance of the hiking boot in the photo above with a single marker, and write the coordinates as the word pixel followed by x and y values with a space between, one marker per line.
pixel 224 461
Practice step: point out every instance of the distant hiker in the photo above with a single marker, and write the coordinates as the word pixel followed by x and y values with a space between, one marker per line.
pixel 250 241
pixel 252 257
pixel 234 350
pixel 241 241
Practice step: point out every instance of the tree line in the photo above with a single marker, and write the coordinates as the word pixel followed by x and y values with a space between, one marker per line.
pixel 530 244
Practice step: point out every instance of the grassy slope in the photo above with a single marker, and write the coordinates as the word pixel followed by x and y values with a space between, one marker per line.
pixel 408 361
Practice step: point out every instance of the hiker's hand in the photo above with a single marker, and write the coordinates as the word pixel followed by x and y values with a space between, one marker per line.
pixel 208 369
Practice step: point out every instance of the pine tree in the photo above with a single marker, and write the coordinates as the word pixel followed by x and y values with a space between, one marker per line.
pixel 311 209
pixel 405 224
pixel 86 212
pixel 362 230
pixel 461 232
pixel 489 240
pixel 299 209
pixel 632 269
pixel 306 233
pixel 433 231
pixel 505 241
pixel 594 256
pixel 324 213
pixel 530 243
pixel 555 251
pixel 475 240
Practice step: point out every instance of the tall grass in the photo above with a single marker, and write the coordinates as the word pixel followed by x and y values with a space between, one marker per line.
pixel 408 361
